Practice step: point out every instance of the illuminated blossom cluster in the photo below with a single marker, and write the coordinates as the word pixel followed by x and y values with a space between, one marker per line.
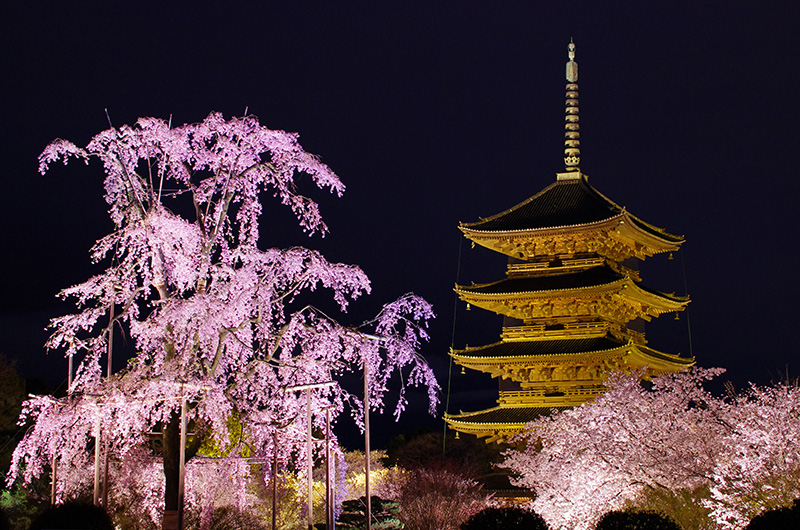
pixel 216 322
pixel 673 437
pixel 761 465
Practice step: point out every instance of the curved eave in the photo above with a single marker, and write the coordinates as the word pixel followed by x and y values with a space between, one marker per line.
pixel 483 417
pixel 652 239
pixel 480 423
pixel 660 361
pixel 638 356
pixel 625 287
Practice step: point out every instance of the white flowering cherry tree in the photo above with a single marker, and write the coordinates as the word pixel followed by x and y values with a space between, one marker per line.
pixel 739 452
pixel 215 320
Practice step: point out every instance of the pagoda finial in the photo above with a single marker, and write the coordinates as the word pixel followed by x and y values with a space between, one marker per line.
pixel 572 133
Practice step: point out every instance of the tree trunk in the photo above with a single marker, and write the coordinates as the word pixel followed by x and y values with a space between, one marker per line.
pixel 170 447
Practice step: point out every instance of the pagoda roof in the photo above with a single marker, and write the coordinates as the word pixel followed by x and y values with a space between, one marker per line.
pixel 564 203
pixel 555 282
pixel 594 277
pixel 564 347
pixel 516 416
pixel 532 348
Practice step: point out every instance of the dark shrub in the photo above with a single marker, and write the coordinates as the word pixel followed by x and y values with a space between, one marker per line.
pixel 506 519
pixel 73 516
pixel 646 520
pixel 438 498
pixel 353 516
pixel 777 519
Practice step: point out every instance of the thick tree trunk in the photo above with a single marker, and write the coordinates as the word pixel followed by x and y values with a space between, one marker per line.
pixel 171 446
pixel 171 454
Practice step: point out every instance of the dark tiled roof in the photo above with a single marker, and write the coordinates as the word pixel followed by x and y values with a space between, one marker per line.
pixel 543 347
pixel 563 203
pixel 506 415
pixel 572 280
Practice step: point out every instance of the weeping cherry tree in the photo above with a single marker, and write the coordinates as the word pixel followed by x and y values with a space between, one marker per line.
pixel 216 322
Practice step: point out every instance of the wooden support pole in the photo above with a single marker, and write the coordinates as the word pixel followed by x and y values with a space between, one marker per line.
pixel 96 496
pixel 275 480
pixel 366 445
pixel 182 463
pixel 309 462
pixel 329 524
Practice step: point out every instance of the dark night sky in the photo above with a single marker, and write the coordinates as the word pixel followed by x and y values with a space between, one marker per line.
pixel 434 113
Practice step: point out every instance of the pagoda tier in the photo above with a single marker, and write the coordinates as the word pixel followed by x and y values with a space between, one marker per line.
pixel 594 291
pixel 566 219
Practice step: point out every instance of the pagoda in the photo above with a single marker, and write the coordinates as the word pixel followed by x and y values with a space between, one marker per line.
pixel 573 304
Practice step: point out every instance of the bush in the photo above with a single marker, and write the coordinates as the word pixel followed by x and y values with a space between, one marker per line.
pixel 384 514
pixel 777 519
pixel 626 520
pixel 506 519
pixel 75 516
pixel 19 507
pixel 438 498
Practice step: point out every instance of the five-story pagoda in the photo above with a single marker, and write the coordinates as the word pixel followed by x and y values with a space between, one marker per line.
pixel 572 300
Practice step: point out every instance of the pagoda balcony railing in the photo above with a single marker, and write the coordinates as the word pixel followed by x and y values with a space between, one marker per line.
pixel 539 397
pixel 539 268
pixel 545 266
pixel 571 330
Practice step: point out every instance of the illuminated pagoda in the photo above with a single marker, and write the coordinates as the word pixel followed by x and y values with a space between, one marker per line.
pixel 573 304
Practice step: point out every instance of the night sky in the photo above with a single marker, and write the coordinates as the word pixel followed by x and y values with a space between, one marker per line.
pixel 434 113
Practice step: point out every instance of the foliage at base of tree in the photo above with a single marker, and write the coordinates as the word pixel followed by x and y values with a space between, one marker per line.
pixel 785 518
pixel 227 518
pixel 511 518
pixel 20 506
pixel 437 498
pixel 630 520
pixel 384 514
pixel 73 516
pixel 684 506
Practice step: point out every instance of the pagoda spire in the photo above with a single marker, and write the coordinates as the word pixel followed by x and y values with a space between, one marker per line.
pixel 572 132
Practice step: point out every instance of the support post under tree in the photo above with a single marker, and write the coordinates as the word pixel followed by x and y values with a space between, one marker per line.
pixel 366 445
pixel 275 480
pixel 309 462
pixel 182 463
pixel 329 501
